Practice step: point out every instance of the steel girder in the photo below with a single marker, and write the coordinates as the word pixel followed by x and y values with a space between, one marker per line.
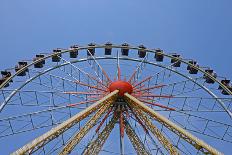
pixel 162 139
pixel 55 132
pixel 95 146
pixel 84 130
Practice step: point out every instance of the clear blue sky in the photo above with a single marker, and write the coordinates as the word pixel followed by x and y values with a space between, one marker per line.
pixel 197 29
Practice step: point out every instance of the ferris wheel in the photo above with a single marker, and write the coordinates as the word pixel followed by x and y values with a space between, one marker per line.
pixel 114 99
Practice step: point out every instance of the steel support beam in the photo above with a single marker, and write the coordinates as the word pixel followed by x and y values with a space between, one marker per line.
pixel 191 139
pixel 162 139
pixel 136 142
pixel 84 130
pixel 95 146
pixel 55 132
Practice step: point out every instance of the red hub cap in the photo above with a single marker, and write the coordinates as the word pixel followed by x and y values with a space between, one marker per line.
pixel 122 86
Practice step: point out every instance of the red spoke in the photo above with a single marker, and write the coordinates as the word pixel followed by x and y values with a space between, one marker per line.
pixel 139 88
pixel 153 87
pixel 106 75
pixel 98 81
pixel 139 120
pixel 158 105
pixel 132 76
pixel 127 113
pixel 144 98
pixel 104 72
pixel 83 102
pixel 121 124
pixel 95 87
pixel 119 73
pixel 98 97
pixel 84 93
pixel 104 119
pixel 148 78
pixel 152 95
pixel 161 96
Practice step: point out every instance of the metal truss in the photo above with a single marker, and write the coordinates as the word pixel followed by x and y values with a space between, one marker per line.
pixel 54 110
pixel 162 139
pixel 84 130
pixel 55 132
pixel 123 58
pixel 95 146
pixel 204 131
pixel 136 142
pixel 197 143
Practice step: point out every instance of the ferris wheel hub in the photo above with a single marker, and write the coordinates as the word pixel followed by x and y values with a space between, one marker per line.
pixel 122 86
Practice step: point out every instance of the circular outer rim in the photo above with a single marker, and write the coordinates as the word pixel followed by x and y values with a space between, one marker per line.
pixel 117 46
pixel 122 58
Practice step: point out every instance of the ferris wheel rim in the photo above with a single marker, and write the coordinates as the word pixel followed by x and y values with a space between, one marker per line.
pixel 121 58
pixel 118 46
pixel 166 67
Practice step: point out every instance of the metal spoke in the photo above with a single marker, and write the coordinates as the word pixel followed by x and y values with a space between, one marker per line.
pixel 85 73
pixel 136 74
pixel 102 70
